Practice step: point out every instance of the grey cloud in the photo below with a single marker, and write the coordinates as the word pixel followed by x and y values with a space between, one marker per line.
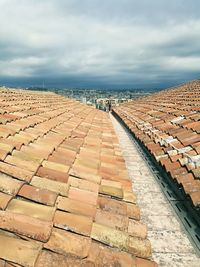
pixel 100 43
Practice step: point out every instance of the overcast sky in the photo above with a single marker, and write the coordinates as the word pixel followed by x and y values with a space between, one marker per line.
pixel 99 43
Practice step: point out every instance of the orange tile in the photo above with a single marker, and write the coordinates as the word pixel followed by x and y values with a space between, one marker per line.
pixel 109 236
pixel 31 209
pixel 137 229
pixel 9 185
pixel 16 172
pixel 118 222
pixel 4 200
pixel 55 166
pixel 19 251
pixel 102 255
pixel 83 173
pixel 66 243
pixel 139 247
pixel 112 206
pixel 55 186
pixel 145 263
pixel 111 191
pixel 24 164
pixel 76 223
pixel 48 258
pixel 38 195
pixel 83 195
pixel 52 174
pixel 83 184
pixel 25 225
pixel 76 206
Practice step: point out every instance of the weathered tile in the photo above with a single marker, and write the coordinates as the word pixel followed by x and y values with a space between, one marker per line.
pixel 129 197
pixel 145 263
pixel 27 156
pixel 9 185
pixel 19 251
pixel 83 195
pixel 25 225
pixel 84 174
pixel 83 184
pixel 109 236
pixel 112 205
pixel 55 186
pixel 76 206
pixel 4 200
pixel 3 154
pixel 2 263
pixel 76 223
pixel 55 166
pixel 111 183
pixel 118 222
pixel 92 163
pixel 139 247
pixel 105 256
pixel 111 191
pixel 37 194
pixel 21 163
pixel 52 174
pixel 137 229
pixel 31 209
pixel 6 147
pixel 66 243
pixel 133 211
pixel 51 259
pixel 16 172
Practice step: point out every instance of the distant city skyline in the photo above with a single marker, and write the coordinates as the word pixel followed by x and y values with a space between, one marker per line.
pixel 99 44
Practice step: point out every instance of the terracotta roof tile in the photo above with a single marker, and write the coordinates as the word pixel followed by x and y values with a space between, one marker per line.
pixel 83 195
pixel 168 124
pixel 51 259
pixel 37 194
pixel 19 251
pixel 55 186
pixel 102 256
pixel 79 172
pixel 55 166
pixel 110 236
pixel 129 196
pixel 83 184
pixel 9 185
pixel 65 195
pixel 65 243
pixel 21 163
pixel 76 223
pixel 3 154
pixel 26 226
pixel 137 229
pixel 144 263
pixel 139 247
pixel 16 172
pixel 4 200
pixel 32 209
pixel 117 221
pixel 52 174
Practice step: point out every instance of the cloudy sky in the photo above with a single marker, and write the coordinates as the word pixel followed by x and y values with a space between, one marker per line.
pixel 99 43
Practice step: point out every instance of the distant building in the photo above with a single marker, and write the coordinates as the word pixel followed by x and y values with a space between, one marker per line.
pixel 102 103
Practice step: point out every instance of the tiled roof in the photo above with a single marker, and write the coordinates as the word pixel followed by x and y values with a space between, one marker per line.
pixel 168 123
pixel 65 194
